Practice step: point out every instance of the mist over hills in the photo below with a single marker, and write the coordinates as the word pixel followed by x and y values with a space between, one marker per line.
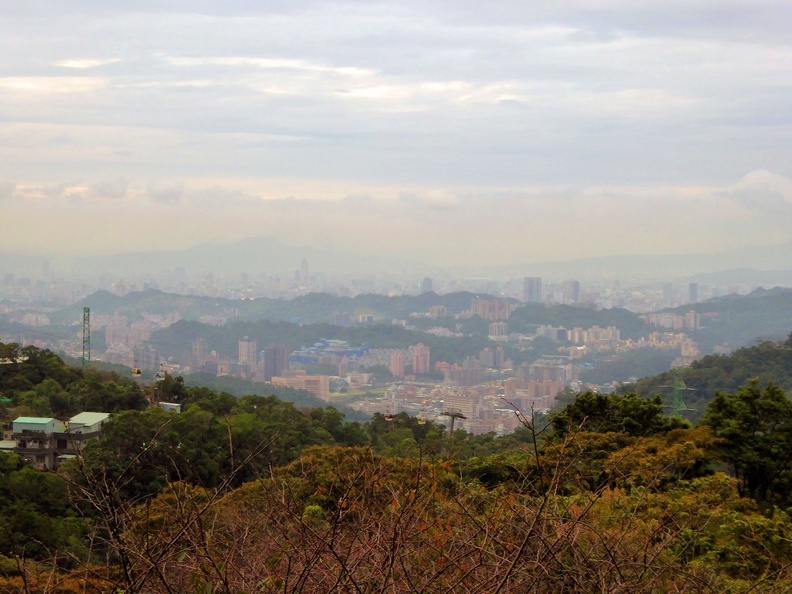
pixel 757 265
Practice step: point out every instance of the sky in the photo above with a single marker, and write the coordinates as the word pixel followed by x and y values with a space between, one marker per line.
pixel 450 131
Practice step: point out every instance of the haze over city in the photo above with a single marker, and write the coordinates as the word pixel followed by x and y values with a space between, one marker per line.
pixel 447 132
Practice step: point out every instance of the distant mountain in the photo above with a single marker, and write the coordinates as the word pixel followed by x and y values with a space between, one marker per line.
pixel 771 264
pixel 310 308
pixel 252 255
pixel 739 320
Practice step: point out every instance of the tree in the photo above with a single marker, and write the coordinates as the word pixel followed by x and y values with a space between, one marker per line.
pixel 755 430
pixel 619 413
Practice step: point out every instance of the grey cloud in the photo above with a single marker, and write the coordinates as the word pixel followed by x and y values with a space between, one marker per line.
pixel 437 200
pixel 166 192
pixel 117 188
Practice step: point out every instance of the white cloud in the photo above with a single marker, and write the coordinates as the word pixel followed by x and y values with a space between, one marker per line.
pixel 86 63
pixel 52 85
pixel 562 127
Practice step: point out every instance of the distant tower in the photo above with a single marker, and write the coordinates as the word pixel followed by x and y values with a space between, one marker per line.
pixel 693 292
pixel 532 289
pixel 247 351
pixel 86 337
pixel 276 361
pixel 572 291
pixel 304 271
pixel 200 350
pixel 426 285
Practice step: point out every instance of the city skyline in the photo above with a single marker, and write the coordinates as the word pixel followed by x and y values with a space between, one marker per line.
pixel 422 130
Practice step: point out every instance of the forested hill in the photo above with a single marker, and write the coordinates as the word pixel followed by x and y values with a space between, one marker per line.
pixel 740 320
pixel 767 361
pixel 311 308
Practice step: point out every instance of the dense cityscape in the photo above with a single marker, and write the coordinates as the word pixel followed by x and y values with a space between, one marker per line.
pixel 518 367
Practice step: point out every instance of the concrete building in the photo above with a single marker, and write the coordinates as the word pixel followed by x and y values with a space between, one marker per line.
pixel 45 441
pixel 693 293
pixel 532 289
pixel 397 364
pixel 421 359
pixel 248 351
pixel 276 361
pixel 571 291
pixel 318 385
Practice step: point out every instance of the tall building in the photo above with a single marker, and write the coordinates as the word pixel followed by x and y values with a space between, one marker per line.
pixel 426 285
pixel 491 309
pixel 247 351
pixel 421 359
pixel 693 292
pixel 499 331
pixel 397 363
pixel 572 291
pixel 304 271
pixel 532 289
pixel 276 361
pixel 200 351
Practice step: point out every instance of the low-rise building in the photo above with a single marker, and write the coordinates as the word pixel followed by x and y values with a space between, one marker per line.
pixel 46 441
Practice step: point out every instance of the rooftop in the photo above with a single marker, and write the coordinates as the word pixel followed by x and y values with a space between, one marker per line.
pixel 89 418
pixel 34 420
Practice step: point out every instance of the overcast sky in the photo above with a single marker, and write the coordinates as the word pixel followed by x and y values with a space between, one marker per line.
pixel 489 132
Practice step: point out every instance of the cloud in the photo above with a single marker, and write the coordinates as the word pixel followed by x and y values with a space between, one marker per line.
pixel 86 63
pixel 166 192
pixel 51 85
pixel 763 192
pixel 440 199
pixel 114 189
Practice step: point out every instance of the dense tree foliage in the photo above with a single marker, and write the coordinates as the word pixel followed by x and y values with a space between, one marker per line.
pixel 617 413
pixel 766 361
pixel 253 494
pixel 629 365
pixel 755 430
pixel 39 383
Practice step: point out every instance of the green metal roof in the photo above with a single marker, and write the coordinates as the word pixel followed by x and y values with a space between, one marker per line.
pixel 34 420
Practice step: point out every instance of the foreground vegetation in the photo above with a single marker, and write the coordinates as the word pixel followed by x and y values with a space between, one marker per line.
pixel 254 495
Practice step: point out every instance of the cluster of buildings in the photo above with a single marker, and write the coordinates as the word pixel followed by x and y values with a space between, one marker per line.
pixel 497 406
pixel 47 442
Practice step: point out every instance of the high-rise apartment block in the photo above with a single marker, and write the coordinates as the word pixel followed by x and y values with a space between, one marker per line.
pixel 421 359
pixel 248 353
pixel 532 289
pixel 571 291
pixel 397 363
pixel 491 309
pixel 693 292
pixel 276 361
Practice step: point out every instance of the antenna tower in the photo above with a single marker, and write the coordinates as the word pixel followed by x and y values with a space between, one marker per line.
pixel 86 342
